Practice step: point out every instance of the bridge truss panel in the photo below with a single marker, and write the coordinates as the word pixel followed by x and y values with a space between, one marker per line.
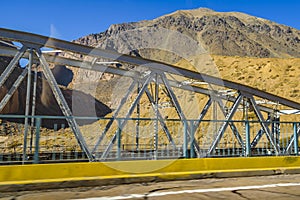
pixel 202 136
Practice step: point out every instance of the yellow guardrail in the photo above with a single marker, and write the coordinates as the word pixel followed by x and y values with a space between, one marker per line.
pixel 138 171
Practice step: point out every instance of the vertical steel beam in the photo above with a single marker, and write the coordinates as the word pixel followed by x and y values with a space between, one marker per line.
pixel 192 131
pixel 28 91
pixel 160 118
pixel 129 112
pixel 63 105
pixel 215 116
pixel 225 124
pixel 33 105
pixel 119 141
pixel 295 140
pixel 156 116
pixel 263 124
pixel 248 146
pixel 110 122
pixel 245 108
pixel 185 139
pixel 8 70
pixel 37 140
pixel 276 129
pixel 137 122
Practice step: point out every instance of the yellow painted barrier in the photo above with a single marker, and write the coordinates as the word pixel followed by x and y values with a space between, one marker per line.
pixel 161 169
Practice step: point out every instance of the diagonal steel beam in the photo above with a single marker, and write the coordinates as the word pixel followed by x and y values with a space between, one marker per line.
pixel 231 124
pixel 12 90
pixel 225 124
pixel 259 134
pixel 130 110
pixel 8 70
pixel 263 124
pixel 160 118
pixel 110 122
pixel 291 141
pixel 196 124
pixel 63 105
pixel 179 110
pixel 257 137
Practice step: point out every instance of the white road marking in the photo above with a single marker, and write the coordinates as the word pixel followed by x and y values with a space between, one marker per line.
pixel 158 194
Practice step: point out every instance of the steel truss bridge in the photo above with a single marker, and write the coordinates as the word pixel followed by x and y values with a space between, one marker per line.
pixel 245 137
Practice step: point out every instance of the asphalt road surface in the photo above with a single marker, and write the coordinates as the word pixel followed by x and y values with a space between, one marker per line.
pixel 259 187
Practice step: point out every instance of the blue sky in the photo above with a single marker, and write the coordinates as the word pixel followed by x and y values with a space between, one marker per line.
pixel 70 19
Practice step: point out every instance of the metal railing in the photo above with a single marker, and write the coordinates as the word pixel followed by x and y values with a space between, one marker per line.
pixel 51 140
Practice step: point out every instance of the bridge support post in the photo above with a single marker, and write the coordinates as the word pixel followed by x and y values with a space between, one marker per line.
pixel 119 140
pixel 37 140
pixel 248 145
pixel 33 105
pixel 192 150
pixel 155 139
pixel 185 139
pixel 28 91
pixel 295 138
pixel 137 122
pixel 276 129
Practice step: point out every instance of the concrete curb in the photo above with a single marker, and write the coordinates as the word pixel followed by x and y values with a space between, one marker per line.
pixel 37 177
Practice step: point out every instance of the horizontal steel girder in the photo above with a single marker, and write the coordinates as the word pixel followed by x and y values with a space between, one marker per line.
pixel 4 51
pixel 35 39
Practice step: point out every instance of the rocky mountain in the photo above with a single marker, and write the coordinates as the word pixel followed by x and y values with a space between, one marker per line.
pixel 230 45
pixel 219 33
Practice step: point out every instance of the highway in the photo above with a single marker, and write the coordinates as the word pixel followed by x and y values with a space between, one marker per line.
pixel 259 187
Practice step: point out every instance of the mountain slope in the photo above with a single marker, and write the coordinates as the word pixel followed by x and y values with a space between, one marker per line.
pixel 228 34
pixel 232 46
